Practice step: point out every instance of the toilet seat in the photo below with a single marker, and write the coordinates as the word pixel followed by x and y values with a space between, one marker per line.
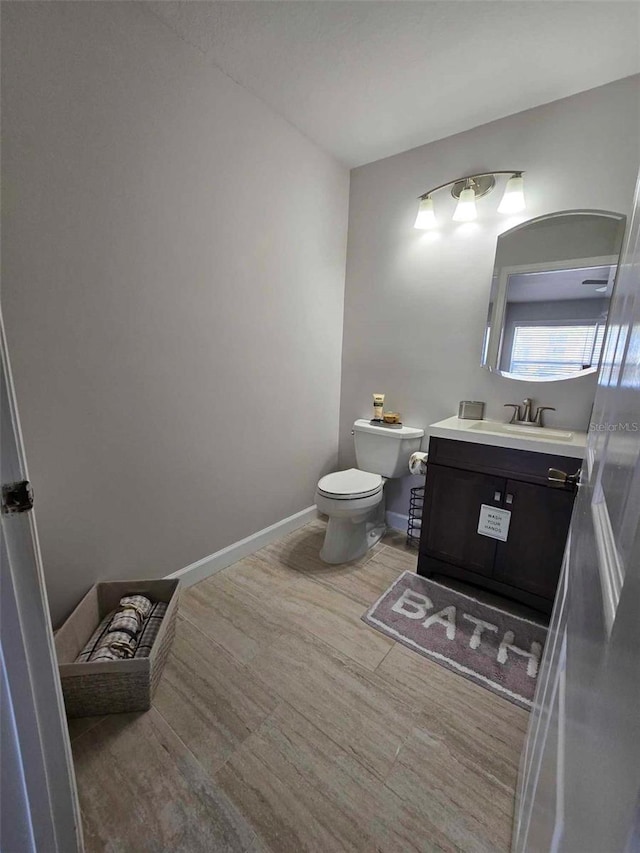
pixel 350 484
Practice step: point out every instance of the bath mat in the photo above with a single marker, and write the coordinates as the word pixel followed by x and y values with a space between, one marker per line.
pixel 494 648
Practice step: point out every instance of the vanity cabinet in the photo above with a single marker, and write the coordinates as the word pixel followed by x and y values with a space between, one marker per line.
pixel 454 497
pixel 461 477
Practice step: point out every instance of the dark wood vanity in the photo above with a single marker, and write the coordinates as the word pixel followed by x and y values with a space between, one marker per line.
pixel 461 477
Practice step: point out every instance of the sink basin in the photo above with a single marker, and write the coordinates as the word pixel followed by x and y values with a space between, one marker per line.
pixel 542 433
pixel 552 442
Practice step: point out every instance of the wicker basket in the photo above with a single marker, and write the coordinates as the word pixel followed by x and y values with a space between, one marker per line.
pixel 113 687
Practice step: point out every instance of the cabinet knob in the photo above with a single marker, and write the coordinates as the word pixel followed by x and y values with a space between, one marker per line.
pixel 561 478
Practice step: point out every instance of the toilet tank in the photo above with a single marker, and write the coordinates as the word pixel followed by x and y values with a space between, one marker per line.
pixel 385 450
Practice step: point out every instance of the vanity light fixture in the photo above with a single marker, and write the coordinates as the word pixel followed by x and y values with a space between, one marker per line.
pixel 466 208
pixel 513 198
pixel 468 190
pixel 426 218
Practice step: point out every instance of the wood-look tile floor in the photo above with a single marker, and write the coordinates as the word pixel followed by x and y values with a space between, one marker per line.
pixel 283 723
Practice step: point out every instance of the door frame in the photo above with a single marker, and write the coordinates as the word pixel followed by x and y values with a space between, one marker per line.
pixel 41 735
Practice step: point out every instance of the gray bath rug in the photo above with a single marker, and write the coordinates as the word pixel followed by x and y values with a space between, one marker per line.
pixel 483 643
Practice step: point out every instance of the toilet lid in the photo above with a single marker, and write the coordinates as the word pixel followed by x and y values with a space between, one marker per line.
pixel 350 484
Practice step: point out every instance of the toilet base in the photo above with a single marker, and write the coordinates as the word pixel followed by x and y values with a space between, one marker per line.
pixel 348 539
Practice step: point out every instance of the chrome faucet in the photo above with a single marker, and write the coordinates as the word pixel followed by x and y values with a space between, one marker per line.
pixel 526 416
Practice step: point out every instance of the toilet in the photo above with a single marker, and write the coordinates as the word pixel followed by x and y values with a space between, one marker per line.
pixel 354 499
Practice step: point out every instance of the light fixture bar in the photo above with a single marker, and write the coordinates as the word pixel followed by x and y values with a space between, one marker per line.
pixel 467 190
pixel 471 178
pixel 481 185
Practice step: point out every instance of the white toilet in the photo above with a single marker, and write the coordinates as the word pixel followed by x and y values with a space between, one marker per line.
pixel 354 499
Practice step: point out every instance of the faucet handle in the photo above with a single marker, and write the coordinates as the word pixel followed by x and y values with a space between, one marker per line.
pixel 539 411
pixel 516 411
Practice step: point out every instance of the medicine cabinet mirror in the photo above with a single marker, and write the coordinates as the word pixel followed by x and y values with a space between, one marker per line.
pixel 552 284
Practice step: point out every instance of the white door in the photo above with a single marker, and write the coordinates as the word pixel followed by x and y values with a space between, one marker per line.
pixel 579 789
pixel 38 800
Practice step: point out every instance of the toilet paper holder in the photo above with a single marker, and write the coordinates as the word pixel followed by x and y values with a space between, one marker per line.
pixel 418 462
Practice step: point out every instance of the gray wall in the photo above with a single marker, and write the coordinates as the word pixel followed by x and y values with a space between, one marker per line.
pixel 173 281
pixel 416 302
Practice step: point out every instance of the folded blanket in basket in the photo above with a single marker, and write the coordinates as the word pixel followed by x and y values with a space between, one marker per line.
pixel 115 645
pixel 150 630
pixel 141 645
pixel 131 613
pixel 96 639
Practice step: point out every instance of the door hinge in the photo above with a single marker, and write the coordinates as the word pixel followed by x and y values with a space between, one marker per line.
pixel 17 497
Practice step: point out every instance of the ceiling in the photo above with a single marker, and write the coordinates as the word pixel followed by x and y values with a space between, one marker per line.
pixel 366 79
pixel 556 285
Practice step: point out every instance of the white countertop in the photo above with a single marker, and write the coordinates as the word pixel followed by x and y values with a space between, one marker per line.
pixel 535 439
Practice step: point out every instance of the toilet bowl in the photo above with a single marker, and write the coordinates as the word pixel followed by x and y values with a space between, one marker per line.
pixel 354 499
pixel 354 502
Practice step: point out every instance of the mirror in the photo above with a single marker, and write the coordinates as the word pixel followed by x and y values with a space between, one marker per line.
pixel 552 284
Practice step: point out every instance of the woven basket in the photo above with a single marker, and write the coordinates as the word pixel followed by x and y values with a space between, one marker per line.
pixel 113 687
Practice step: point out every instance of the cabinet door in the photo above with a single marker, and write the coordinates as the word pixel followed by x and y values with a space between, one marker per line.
pixel 451 514
pixel 531 557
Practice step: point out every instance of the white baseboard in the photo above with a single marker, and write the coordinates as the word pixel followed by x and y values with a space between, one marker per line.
pixel 208 566
pixel 396 521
